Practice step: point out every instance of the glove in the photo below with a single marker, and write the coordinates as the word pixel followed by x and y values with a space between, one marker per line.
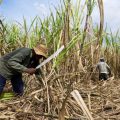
pixel 30 71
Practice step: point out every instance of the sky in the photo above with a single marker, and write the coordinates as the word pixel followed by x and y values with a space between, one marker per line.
pixel 111 14
pixel 14 10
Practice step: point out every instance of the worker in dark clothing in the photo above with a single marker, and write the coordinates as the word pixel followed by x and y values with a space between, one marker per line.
pixel 104 69
pixel 22 60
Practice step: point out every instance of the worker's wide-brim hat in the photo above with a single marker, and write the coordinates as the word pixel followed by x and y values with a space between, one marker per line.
pixel 41 50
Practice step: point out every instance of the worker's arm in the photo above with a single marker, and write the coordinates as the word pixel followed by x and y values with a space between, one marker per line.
pixel 109 70
pixel 97 67
pixel 30 70
pixel 15 63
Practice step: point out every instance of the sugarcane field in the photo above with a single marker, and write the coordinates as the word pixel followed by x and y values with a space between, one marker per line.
pixel 59 60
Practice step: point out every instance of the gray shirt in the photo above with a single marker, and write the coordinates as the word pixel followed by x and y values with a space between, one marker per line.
pixel 103 67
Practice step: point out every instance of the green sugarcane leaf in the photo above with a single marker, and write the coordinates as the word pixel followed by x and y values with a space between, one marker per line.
pixel 6 96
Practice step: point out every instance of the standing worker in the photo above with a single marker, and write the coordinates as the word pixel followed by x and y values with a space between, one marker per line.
pixel 22 60
pixel 104 69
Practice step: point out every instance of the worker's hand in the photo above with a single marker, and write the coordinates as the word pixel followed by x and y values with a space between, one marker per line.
pixel 30 70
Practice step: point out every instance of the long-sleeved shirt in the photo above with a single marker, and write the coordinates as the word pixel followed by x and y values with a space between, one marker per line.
pixel 103 67
pixel 16 62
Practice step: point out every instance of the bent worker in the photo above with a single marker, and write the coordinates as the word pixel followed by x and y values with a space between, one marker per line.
pixel 104 69
pixel 22 60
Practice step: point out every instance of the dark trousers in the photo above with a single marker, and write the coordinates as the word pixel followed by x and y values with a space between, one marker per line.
pixel 103 76
pixel 16 81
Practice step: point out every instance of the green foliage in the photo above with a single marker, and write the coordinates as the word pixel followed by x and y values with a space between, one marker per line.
pixel 6 96
pixel 90 4
pixel 1 1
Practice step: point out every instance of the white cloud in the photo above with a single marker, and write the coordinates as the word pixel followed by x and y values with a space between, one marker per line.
pixel 111 14
pixel 112 8
pixel 41 8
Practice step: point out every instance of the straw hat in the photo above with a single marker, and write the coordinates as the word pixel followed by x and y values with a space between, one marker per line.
pixel 41 50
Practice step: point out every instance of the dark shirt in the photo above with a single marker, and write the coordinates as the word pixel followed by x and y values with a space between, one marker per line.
pixel 17 62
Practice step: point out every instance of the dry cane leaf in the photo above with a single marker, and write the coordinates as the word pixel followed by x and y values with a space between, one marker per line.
pixel 82 104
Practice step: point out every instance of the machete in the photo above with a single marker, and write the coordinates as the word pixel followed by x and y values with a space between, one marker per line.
pixel 51 57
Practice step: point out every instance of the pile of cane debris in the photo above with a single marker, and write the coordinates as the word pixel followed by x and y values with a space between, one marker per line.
pixel 56 100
